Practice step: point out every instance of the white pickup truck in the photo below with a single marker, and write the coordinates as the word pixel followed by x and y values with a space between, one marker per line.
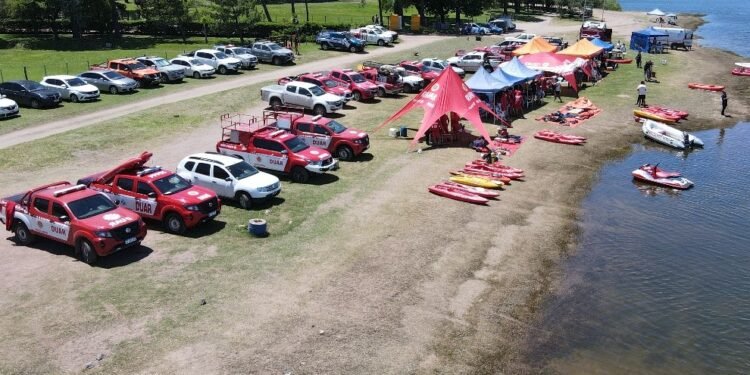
pixel 473 61
pixel 301 94
pixel 372 36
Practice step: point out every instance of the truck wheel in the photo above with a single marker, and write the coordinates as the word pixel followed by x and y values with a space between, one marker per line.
pixel 196 75
pixel 275 104
pixel 85 250
pixel 319 110
pixel 222 69
pixel 381 42
pixel 381 92
pixel 113 90
pixel 35 104
pixel 324 46
pixel 174 224
pixel 300 175
pixel 345 153
pixel 352 49
pixel 245 200
pixel 74 98
pixel 276 60
pixel 356 96
pixel 22 234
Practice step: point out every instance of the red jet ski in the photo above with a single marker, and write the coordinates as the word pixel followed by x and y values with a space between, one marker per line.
pixel 652 174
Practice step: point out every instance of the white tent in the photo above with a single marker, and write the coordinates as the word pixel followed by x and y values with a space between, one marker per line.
pixel 671 15
pixel 656 12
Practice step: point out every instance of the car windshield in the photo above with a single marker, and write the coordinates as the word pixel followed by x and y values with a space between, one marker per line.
pixel 295 144
pixel 136 66
pixel 438 65
pixel 357 78
pixel 75 82
pixel 91 206
pixel 171 184
pixel 161 62
pixel 317 91
pixel 242 170
pixel 33 86
pixel 221 55
pixel 336 126
pixel 194 62
pixel 113 75
pixel 274 46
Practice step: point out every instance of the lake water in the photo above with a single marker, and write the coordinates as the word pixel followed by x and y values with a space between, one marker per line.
pixel 727 20
pixel 661 280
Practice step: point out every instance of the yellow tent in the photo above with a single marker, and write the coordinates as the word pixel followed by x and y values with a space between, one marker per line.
pixel 536 45
pixel 582 48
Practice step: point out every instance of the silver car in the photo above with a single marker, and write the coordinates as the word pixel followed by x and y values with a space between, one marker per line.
pixel 109 81
pixel 193 67
pixel 249 61
pixel 71 88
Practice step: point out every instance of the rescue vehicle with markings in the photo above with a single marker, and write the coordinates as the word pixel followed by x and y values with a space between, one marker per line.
pixel 74 215
pixel 276 150
pixel 156 193
pixel 345 143
pixel 361 88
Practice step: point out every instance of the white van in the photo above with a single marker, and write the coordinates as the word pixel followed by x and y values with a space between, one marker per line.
pixel 678 37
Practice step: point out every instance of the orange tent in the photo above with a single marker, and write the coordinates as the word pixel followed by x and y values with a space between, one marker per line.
pixel 536 45
pixel 446 94
pixel 582 48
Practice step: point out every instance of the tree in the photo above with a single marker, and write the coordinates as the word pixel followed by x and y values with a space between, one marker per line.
pixel 237 11
pixel 170 14
pixel 264 4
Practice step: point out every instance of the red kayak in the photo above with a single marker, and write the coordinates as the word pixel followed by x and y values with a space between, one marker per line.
pixel 741 71
pixel 457 194
pixel 669 111
pixel 620 61
pixel 492 172
pixel 502 180
pixel 496 165
pixel 704 86
pixel 559 138
pixel 480 191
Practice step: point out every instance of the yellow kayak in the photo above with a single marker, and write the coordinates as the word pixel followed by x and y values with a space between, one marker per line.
pixel 652 116
pixel 475 181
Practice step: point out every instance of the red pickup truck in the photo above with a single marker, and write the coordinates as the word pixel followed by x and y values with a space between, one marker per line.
pixel 416 67
pixel 345 143
pixel 156 193
pixel 134 69
pixel 73 215
pixel 267 147
pixel 388 84
pixel 362 89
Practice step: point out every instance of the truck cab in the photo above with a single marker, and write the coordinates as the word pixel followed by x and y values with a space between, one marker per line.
pixel 361 88
pixel 329 134
pixel 388 82
pixel 157 194
pixel 275 150
pixel 416 67
pixel 301 95
pixel 73 215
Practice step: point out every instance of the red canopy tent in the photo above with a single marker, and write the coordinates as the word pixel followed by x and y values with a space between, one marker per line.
pixel 446 94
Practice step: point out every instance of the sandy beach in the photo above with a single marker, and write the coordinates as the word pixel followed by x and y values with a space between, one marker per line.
pixel 389 279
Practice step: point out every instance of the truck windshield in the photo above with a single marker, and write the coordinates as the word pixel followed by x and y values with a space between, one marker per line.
pixel 274 46
pixel 295 144
pixel 241 51
pixel 171 184
pixel 330 83
pixel 242 170
pixel 91 206
pixel 317 91
pixel 336 126
pixel 357 78
pixel 220 55
pixel 136 66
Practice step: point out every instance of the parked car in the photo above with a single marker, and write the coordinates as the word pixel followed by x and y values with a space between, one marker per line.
pixel 474 29
pixel 372 36
pixel 134 69
pixel 30 94
pixel 249 61
pixel 522 37
pixel 156 193
pixel 417 67
pixel 169 72
pixel 72 215
pixel 271 52
pixel 504 22
pixel 216 59
pixel 556 41
pixel 438 65
pixel 8 107
pixel 324 81
pixel 340 41
pixel 109 81
pixel 473 61
pixel 361 88
pixel 303 95
pixel 193 67
pixel 71 88
pixel 382 30
pixel 229 177
pixel 389 82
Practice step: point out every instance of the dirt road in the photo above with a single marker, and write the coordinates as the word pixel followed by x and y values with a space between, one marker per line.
pixel 346 59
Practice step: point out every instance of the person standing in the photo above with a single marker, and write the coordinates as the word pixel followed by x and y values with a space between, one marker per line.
pixel 638 60
pixel 558 89
pixel 723 102
pixel 641 89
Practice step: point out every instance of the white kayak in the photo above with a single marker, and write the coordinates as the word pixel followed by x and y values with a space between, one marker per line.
pixel 668 135
pixel 659 177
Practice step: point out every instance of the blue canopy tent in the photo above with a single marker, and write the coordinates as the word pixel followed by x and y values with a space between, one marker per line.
pixel 600 43
pixel 516 68
pixel 647 40
pixel 487 85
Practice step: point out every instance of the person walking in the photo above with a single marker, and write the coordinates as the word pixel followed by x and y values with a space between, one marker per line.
pixel 641 89
pixel 638 60
pixel 723 102
pixel 558 89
